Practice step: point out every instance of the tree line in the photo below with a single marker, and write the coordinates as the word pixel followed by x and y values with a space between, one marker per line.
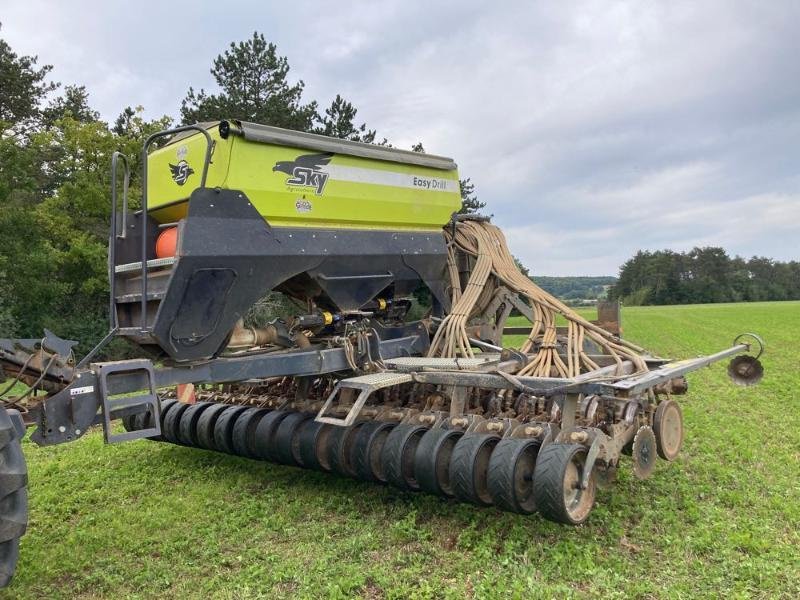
pixel 704 275
pixel 55 154
pixel 575 288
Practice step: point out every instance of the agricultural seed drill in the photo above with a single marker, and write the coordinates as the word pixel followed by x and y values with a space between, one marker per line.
pixel 343 380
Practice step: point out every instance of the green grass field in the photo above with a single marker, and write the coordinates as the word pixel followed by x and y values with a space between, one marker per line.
pixel 152 520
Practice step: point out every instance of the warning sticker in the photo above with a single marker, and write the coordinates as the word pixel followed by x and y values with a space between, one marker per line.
pixel 87 389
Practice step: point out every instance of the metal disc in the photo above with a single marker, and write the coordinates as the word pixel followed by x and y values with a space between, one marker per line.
pixel 745 370
pixel 668 428
pixel 644 452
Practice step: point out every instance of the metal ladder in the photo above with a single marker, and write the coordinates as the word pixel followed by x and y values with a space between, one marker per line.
pixel 144 402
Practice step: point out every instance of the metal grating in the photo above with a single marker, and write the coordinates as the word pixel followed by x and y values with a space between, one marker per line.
pixel 378 380
pixel 413 363
pixel 151 264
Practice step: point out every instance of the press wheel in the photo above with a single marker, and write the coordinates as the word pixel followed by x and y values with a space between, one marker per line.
pixel 287 439
pixel 313 444
pixel 340 448
pixel 557 491
pixel 223 428
pixel 368 448
pixel 243 443
pixel 187 429
pixel 398 453
pixel 469 468
pixel 511 475
pixel 432 460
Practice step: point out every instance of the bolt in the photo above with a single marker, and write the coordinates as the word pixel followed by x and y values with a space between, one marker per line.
pixel 496 426
pixel 61 429
pixel 459 422
pixel 534 431
pixel 77 432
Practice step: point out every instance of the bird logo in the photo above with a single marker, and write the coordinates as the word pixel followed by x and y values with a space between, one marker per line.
pixel 181 172
pixel 306 170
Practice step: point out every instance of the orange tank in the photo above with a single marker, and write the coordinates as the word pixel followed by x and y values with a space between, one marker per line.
pixel 167 243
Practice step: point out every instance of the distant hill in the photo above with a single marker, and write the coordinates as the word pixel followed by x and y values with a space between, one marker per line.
pixel 575 288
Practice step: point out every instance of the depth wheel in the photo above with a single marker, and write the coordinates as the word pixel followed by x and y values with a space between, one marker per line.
pixel 469 468
pixel 264 436
pixel 398 455
pixel 340 445
pixel 668 428
pixel 13 492
pixel 206 424
pixel 367 449
pixel 511 475
pixel 287 440
pixel 557 491
pixel 171 425
pixel 187 429
pixel 223 428
pixel 313 442
pixel 244 432
pixel 432 461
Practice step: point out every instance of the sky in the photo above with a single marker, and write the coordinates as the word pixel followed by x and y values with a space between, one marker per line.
pixel 590 129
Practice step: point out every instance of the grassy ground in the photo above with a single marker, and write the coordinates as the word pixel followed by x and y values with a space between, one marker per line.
pixel 146 519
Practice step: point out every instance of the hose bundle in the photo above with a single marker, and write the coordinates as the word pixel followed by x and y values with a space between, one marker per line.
pixel 494 265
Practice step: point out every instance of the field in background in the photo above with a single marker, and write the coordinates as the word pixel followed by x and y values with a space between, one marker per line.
pixel 153 520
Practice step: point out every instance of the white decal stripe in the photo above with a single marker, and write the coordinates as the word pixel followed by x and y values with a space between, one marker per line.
pixel 392 178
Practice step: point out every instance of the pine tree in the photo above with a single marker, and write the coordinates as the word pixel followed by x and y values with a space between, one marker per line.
pixel 253 84
pixel 339 121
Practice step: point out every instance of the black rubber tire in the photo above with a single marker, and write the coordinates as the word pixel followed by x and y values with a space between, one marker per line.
pixel 340 449
pixel 171 424
pixel 398 454
pixel 223 428
pixel 551 477
pixel 13 492
pixel 511 471
pixel 432 461
pixel 138 421
pixel 206 424
pixel 313 440
pixel 129 422
pixel 469 468
pixel 367 448
pixel 187 429
pixel 244 431
pixel 163 406
pixel 264 436
pixel 142 420
pixel 287 439
pixel 166 406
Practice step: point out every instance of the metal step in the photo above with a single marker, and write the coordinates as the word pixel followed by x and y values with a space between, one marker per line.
pixel 136 333
pixel 419 363
pixel 366 384
pixel 156 263
pixel 132 298
pixel 147 401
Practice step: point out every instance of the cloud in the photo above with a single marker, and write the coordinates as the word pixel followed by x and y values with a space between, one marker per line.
pixel 591 129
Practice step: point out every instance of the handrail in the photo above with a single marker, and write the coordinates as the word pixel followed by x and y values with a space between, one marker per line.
pixel 146 147
pixel 112 262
